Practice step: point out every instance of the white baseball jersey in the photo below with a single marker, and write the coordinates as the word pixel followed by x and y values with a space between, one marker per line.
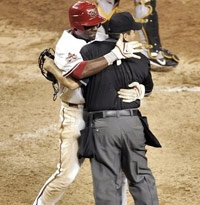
pixel 67 59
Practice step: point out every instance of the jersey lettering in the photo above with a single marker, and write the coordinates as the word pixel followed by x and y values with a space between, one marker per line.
pixel 71 57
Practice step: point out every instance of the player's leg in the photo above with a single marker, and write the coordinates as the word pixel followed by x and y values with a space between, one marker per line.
pixel 145 12
pixel 134 162
pixel 124 189
pixel 107 8
pixel 69 165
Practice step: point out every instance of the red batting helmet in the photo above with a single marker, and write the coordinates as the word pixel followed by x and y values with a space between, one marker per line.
pixel 84 13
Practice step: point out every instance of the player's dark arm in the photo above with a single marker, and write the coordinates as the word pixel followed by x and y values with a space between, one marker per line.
pixel 89 68
pixel 93 65
pixel 83 70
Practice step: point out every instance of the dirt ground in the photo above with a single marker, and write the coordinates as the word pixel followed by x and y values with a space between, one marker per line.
pixel 29 116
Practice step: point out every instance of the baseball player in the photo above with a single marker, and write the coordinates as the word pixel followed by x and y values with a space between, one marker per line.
pixel 84 21
pixel 145 13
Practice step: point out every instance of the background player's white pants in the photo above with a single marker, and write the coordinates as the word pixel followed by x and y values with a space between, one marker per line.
pixel 68 167
pixel 140 11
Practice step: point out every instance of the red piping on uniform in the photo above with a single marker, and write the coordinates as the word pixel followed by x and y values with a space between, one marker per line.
pixel 69 72
pixel 77 73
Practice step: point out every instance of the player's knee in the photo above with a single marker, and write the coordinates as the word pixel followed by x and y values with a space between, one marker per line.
pixel 68 178
pixel 66 182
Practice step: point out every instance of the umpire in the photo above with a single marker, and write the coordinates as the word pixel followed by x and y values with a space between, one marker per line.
pixel 120 134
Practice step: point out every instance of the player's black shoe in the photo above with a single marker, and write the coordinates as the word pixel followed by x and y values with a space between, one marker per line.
pixel 165 59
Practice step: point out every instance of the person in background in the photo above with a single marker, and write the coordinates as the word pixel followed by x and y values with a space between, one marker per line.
pixel 145 13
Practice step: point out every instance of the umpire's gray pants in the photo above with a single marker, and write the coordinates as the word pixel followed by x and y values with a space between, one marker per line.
pixel 120 145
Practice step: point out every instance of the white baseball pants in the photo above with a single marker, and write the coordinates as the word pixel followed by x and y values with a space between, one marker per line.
pixel 72 122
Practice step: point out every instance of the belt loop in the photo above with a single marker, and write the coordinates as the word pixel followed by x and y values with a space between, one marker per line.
pixel 104 114
pixel 131 112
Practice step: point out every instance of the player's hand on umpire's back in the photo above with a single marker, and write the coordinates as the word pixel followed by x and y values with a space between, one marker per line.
pixel 135 91
pixel 125 50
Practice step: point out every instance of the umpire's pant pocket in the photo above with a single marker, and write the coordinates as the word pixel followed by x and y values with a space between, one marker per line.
pixel 86 144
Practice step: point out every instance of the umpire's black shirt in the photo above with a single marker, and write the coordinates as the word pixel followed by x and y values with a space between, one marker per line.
pixel 101 90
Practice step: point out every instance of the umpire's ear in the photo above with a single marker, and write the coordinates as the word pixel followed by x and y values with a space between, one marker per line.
pixel 125 37
pixel 129 36
pixel 121 37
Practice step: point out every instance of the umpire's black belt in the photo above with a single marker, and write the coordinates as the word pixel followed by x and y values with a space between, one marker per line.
pixel 115 113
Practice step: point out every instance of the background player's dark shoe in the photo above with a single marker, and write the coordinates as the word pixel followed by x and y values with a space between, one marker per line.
pixel 165 59
pixel 163 62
